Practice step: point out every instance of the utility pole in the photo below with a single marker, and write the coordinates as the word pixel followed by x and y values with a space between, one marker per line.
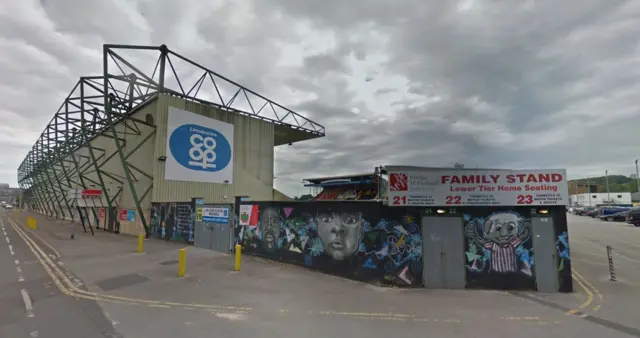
pixel 589 189
pixel 606 178
pixel 637 177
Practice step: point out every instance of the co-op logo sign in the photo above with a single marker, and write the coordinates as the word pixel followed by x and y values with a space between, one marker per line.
pixel 200 148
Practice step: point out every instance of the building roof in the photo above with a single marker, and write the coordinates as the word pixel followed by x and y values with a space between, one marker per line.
pixel 355 178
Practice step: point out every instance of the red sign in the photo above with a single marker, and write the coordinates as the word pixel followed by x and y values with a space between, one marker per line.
pixel 122 215
pixel 101 213
pixel 91 192
pixel 477 187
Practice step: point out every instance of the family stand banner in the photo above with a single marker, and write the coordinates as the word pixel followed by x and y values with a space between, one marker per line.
pixel 442 187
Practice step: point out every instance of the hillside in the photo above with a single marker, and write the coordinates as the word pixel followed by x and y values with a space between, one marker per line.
pixel 617 183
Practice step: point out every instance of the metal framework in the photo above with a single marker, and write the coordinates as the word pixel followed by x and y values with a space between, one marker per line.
pixel 64 156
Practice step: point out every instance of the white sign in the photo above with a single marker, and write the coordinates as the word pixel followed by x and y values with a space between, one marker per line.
pixel 437 187
pixel 216 215
pixel 199 149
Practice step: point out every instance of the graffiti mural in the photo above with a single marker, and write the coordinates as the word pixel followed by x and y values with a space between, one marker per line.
pixel 499 250
pixel 563 251
pixel 562 244
pixel 172 221
pixel 354 240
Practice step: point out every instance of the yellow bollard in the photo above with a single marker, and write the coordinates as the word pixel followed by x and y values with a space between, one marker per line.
pixel 140 243
pixel 32 223
pixel 238 256
pixel 182 261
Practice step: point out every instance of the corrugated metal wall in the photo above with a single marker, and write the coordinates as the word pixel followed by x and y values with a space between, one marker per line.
pixel 253 158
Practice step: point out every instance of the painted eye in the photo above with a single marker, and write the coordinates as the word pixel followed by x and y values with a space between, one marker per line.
pixel 349 220
pixel 499 227
pixel 511 227
pixel 325 219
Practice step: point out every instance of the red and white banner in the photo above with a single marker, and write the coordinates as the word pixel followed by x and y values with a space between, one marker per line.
pixel 442 187
pixel 91 192
pixel 249 215
pixel 122 215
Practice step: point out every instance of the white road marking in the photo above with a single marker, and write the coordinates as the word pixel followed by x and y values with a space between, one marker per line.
pixel 19 269
pixel 11 250
pixel 17 262
pixel 7 239
pixel 27 302
pixel 20 279
pixel 34 333
pixel 231 316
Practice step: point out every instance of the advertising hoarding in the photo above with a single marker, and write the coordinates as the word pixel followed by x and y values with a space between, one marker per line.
pixel 437 187
pixel 199 149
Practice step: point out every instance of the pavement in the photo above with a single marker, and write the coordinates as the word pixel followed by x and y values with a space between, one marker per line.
pixel 99 286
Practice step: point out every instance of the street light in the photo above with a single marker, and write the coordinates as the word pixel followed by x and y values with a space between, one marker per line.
pixel 637 177
pixel 606 178
pixel 589 189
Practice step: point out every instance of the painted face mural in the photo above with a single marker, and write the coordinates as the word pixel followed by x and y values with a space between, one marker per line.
pixel 340 232
pixel 357 243
pixel 502 228
pixel 496 243
pixel 270 223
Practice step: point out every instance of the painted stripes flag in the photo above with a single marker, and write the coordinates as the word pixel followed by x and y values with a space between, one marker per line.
pixel 249 215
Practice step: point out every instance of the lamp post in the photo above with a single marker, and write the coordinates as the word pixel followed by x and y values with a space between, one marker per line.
pixel 589 189
pixel 637 177
pixel 606 179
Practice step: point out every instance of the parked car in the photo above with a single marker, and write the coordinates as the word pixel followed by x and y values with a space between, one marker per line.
pixel 633 217
pixel 593 213
pixel 620 216
pixel 584 211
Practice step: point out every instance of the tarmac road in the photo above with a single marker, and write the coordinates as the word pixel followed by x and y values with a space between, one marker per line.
pixel 282 301
pixel 31 305
pixel 588 239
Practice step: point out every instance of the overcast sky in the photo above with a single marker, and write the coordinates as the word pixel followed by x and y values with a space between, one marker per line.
pixel 515 84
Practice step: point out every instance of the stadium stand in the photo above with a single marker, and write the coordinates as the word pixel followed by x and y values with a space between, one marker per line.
pixel 345 188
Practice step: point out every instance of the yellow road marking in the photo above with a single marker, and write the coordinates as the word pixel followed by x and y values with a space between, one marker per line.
pixel 589 290
pixel 584 280
pixel 60 279
pixel 56 253
pixel 67 287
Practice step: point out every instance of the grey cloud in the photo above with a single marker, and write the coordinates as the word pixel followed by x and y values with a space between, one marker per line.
pixel 542 85
pixel 383 91
pixel 503 84
pixel 321 64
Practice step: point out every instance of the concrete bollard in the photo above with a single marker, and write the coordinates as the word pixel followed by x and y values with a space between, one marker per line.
pixel 140 243
pixel 238 257
pixel 182 262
